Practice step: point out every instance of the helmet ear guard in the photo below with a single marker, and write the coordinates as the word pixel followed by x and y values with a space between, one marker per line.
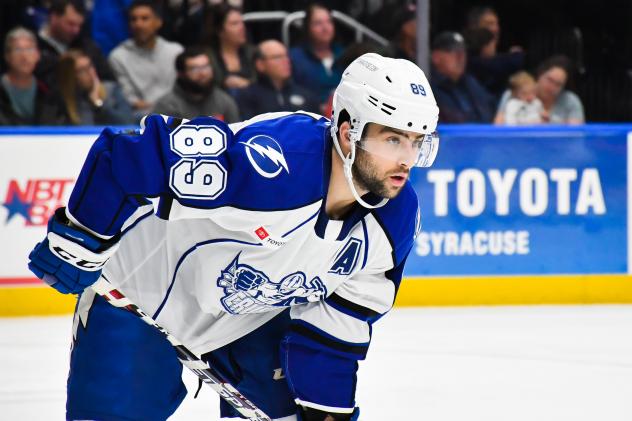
pixel 386 91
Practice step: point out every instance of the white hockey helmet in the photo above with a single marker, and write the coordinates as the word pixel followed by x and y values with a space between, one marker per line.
pixel 390 92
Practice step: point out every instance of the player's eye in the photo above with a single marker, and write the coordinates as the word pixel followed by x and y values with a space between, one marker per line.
pixel 393 140
pixel 417 143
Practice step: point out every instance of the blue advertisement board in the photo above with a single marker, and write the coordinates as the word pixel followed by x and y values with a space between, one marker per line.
pixel 509 201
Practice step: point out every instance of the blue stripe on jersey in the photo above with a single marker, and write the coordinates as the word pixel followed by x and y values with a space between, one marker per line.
pixel 185 254
pixel 142 217
pixel 352 309
pixel 164 207
pixel 321 222
pixel 324 340
pixel 366 243
pixel 352 219
pixel 398 219
pixel 301 224
pixel 395 275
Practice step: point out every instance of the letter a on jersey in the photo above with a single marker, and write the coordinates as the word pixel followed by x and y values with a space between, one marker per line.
pixel 347 258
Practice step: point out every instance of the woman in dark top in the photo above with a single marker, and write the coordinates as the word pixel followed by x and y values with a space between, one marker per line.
pixel 88 100
pixel 312 62
pixel 232 55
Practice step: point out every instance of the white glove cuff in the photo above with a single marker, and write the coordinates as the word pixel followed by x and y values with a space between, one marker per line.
pixel 77 255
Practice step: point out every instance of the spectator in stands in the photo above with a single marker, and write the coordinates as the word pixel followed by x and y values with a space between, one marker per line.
pixel 312 62
pixel 232 56
pixel 489 66
pixel 90 101
pixel 25 100
pixel 404 34
pixel 274 89
pixel 523 107
pixel 14 13
pixel 561 106
pixel 484 17
pixel 144 64
pixel 63 31
pixel 461 98
pixel 375 14
pixel 194 92
pixel 480 42
pixel 188 20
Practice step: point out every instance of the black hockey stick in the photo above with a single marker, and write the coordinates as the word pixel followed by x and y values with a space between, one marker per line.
pixel 201 369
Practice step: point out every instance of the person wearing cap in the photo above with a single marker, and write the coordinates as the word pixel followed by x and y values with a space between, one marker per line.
pixel 461 98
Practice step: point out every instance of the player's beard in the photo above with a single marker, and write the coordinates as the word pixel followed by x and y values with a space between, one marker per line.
pixel 365 175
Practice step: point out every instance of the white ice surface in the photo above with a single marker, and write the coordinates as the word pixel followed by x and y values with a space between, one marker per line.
pixel 535 363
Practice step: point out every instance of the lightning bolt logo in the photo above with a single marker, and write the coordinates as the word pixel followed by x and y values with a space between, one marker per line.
pixel 266 156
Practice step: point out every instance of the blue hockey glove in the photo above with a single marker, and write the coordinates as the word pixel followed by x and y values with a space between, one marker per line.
pixel 69 259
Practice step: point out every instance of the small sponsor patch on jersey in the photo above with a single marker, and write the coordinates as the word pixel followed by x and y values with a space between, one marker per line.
pixel 266 156
pixel 269 240
pixel 261 233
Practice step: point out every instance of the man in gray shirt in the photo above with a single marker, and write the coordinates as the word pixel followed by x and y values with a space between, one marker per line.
pixel 194 93
pixel 144 64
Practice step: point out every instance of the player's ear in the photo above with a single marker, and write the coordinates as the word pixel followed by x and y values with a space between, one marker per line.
pixel 344 137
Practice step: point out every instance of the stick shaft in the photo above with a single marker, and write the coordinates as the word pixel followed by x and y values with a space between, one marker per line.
pixel 201 369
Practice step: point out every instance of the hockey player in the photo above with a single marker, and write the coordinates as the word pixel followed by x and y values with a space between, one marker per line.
pixel 269 247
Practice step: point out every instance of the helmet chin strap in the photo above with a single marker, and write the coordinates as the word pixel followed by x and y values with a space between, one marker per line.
pixel 347 163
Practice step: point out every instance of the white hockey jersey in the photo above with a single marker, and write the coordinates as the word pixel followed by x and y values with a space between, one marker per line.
pixel 241 232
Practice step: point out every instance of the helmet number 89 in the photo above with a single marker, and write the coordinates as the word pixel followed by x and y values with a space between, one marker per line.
pixel 418 89
pixel 198 174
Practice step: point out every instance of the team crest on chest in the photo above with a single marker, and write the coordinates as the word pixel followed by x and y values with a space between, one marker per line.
pixel 266 156
pixel 248 290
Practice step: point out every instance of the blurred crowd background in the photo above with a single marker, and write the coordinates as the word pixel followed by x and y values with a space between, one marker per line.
pixel 109 62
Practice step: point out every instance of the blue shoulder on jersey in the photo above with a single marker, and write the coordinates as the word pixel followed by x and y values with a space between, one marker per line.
pixel 268 165
pixel 278 163
pixel 120 171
